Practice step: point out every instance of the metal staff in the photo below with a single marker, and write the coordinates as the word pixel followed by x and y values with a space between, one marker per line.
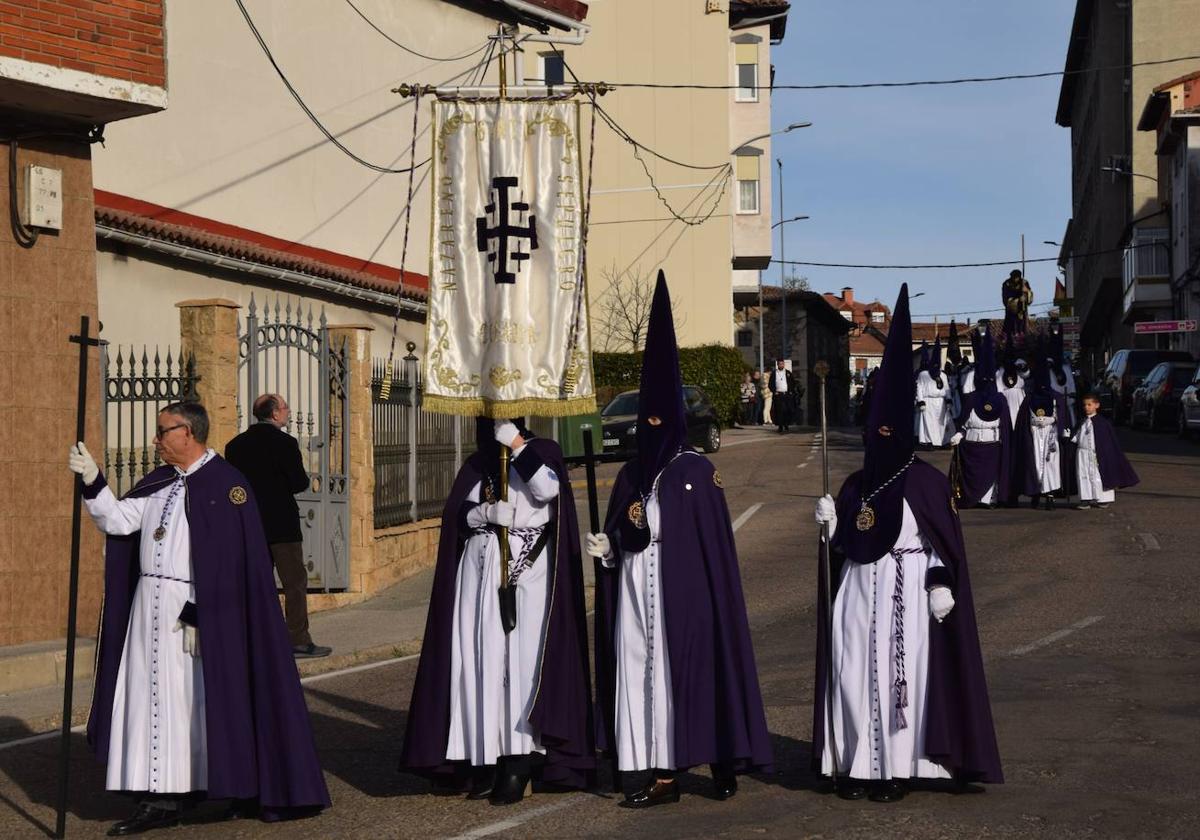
pixel 508 595
pixel 821 369
pixel 84 340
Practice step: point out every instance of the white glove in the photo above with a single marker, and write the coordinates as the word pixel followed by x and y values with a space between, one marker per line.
pixel 500 513
pixel 826 510
pixel 506 433
pixel 598 546
pixel 940 602
pixel 191 639
pixel 81 462
pixel 956 439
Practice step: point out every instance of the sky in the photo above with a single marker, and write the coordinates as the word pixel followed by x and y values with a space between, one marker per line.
pixel 923 175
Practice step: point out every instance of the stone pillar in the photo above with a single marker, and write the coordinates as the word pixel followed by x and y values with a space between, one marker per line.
pixel 209 331
pixel 361 531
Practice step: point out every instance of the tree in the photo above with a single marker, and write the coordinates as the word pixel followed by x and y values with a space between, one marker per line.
pixel 621 313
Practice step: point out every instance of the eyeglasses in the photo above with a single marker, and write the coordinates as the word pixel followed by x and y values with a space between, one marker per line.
pixel 160 432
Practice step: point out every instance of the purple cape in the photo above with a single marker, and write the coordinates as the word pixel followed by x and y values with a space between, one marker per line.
pixel 983 464
pixel 714 683
pixel 1026 478
pixel 959 733
pixel 1115 469
pixel 260 740
pixel 562 710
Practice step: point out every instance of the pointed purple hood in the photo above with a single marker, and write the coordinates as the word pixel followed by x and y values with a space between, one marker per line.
pixel 661 392
pixel 953 351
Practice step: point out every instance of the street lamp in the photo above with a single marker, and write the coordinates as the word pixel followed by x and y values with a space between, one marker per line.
pixel 783 337
pixel 784 130
pixel 788 221
pixel 1116 170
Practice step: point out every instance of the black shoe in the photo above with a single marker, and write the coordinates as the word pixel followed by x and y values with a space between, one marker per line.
pixel 147 818
pixel 889 791
pixel 512 778
pixel 1049 503
pixel 655 793
pixel 852 789
pixel 1033 502
pixel 311 651
pixel 242 809
pixel 725 787
pixel 483 782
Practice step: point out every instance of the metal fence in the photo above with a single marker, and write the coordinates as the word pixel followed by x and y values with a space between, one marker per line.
pixel 417 453
pixel 136 388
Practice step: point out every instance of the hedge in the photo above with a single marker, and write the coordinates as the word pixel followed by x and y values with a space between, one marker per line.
pixel 717 368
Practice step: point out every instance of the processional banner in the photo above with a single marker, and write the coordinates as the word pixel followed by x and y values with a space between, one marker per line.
pixel 507 327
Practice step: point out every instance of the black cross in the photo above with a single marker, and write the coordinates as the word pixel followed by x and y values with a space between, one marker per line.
pixel 505 232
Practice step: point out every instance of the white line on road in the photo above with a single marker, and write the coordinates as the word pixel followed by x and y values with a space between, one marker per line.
pixel 741 441
pixel 513 822
pixel 1150 542
pixel 45 736
pixel 741 520
pixel 1054 637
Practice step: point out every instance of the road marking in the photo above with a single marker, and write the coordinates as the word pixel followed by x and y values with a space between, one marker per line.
pixel 513 822
pixel 45 736
pixel 802 466
pixel 1054 637
pixel 1150 542
pixel 741 520
pixel 741 441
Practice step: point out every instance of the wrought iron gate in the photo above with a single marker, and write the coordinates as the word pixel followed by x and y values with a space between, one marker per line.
pixel 284 352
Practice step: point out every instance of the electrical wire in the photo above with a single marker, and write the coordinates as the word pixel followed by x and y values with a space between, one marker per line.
pixel 308 111
pixel 976 311
pixel 991 264
pixel 914 83
pixel 408 49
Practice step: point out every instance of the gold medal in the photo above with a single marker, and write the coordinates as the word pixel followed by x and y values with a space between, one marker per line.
pixel 865 519
pixel 159 533
pixel 637 514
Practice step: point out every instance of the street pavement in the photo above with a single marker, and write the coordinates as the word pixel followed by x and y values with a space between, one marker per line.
pixel 1089 626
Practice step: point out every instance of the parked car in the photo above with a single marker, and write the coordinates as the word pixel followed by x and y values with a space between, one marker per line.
pixel 1189 407
pixel 618 422
pixel 1156 401
pixel 1124 373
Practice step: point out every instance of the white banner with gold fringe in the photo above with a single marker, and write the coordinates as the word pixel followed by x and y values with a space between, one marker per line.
pixel 507 329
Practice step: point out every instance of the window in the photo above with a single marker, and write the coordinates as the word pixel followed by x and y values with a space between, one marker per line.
pixel 746 59
pixel 847 314
pixel 553 69
pixel 747 178
pixel 876 317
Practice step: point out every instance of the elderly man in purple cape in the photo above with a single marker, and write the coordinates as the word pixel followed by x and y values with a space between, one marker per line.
pixel 490 707
pixel 196 691
pixel 675 674
pixel 908 690
pixel 982 467
pixel 1042 429
pixel 1100 465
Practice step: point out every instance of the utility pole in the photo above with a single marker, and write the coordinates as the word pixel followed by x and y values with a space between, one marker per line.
pixel 783 337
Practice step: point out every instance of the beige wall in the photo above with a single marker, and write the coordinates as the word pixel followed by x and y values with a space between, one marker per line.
pixel 234 146
pixel 752 233
pixel 631 231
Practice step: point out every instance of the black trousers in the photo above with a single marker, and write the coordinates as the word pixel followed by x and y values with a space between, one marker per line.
pixel 781 410
pixel 289 563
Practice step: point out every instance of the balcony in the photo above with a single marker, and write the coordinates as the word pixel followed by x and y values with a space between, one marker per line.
pixel 1146 273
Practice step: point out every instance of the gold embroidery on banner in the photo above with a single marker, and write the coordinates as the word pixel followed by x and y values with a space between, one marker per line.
pixel 506 332
pixel 501 376
pixel 237 495
pixel 446 376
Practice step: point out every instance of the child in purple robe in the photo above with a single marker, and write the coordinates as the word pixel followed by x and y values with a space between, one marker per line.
pixel 1100 464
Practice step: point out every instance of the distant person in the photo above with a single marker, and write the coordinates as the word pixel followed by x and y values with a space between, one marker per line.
pixel 783 390
pixel 766 398
pixel 1101 466
pixel 196 693
pixel 749 398
pixel 270 459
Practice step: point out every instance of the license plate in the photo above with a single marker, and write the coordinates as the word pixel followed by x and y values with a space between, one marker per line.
pixel 611 442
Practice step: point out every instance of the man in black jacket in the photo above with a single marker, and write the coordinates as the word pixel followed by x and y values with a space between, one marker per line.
pixel 783 395
pixel 270 459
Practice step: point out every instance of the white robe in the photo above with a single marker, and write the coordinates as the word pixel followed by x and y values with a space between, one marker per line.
pixel 645 722
pixel 935 422
pixel 494 676
pixel 1014 396
pixel 968 382
pixel 870 742
pixel 1067 389
pixel 1091 486
pixel 1046 452
pixel 158 742
pixel 978 430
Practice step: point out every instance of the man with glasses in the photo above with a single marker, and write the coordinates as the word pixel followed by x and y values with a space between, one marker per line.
pixel 196 693
pixel 270 458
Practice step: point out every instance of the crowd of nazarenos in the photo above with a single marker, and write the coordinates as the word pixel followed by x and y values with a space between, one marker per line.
pixel 503 696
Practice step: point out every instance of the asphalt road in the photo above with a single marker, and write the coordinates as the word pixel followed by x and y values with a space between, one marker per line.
pixel 1089 626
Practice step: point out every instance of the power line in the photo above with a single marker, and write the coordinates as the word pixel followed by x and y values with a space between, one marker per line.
pixel 308 111
pixel 408 49
pixel 991 264
pixel 975 311
pixel 914 83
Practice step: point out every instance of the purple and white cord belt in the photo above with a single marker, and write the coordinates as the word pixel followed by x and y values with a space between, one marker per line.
pixel 900 684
